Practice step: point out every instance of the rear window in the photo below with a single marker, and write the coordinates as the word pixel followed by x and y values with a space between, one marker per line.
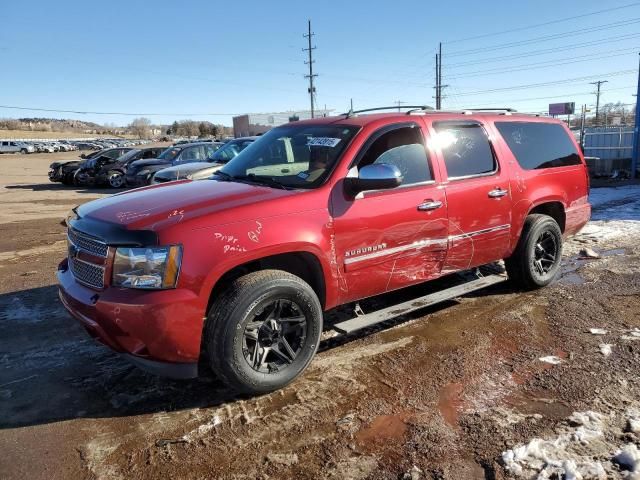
pixel 539 145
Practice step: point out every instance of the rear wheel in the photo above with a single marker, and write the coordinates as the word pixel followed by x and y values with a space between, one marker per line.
pixel 263 331
pixel 536 260
pixel 115 179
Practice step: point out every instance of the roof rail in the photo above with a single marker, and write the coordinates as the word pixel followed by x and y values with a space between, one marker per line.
pixel 352 113
pixel 470 111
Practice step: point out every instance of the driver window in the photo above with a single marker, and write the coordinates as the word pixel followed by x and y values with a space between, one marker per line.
pixel 404 148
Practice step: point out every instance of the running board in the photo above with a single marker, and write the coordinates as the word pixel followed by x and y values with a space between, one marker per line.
pixel 369 319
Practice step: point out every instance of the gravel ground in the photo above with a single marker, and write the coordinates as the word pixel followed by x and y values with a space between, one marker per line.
pixel 499 384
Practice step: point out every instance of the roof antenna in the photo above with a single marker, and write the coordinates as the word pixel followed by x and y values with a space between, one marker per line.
pixel 350 112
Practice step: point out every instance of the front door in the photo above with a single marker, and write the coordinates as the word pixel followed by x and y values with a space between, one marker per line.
pixel 478 195
pixel 388 239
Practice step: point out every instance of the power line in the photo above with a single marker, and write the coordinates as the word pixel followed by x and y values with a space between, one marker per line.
pixel 545 84
pixel 146 114
pixel 534 53
pixel 564 95
pixel 529 27
pixel 545 38
pixel 550 63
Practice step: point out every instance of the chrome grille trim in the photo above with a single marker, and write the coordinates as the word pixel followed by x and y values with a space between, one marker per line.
pixel 87 243
pixel 89 274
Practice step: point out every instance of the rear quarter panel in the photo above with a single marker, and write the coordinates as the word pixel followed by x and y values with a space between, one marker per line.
pixel 531 188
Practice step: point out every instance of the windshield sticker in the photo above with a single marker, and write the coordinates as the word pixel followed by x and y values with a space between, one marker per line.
pixel 323 142
pixel 303 175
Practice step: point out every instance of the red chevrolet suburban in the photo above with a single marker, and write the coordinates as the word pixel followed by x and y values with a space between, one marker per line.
pixel 237 270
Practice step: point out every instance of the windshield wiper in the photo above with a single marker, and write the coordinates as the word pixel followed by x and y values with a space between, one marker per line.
pixel 225 176
pixel 268 181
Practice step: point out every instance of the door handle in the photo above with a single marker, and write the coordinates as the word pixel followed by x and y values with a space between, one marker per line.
pixel 429 205
pixel 497 192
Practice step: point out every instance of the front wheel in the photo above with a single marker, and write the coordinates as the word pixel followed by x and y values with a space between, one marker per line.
pixel 263 331
pixel 536 260
pixel 116 179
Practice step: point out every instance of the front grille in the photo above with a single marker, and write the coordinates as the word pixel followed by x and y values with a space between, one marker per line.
pixel 87 273
pixel 87 243
pixel 158 179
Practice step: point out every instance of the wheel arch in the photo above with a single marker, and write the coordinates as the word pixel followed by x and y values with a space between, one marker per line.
pixel 303 264
pixel 554 209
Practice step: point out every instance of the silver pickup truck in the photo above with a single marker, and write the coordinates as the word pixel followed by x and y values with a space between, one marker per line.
pixel 12 146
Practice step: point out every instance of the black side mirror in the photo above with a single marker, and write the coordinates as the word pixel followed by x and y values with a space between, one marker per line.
pixel 374 177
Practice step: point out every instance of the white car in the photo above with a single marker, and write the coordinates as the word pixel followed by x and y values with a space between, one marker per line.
pixel 12 146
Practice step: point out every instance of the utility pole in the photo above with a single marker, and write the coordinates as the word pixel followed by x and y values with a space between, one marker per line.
pixel 583 117
pixel 636 131
pixel 598 83
pixel 399 103
pixel 439 75
pixel 439 86
pixel 311 75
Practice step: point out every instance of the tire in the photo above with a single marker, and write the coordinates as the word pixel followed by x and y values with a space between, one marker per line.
pixel 115 179
pixel 67 179
pixel 537 257
pixel 241 320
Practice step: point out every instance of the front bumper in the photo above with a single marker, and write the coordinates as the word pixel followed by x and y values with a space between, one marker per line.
pixel 159 331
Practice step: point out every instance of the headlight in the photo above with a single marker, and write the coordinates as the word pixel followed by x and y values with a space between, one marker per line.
pixel 144 172
pixel 150 268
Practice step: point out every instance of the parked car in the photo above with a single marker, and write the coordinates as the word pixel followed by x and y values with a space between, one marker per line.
pixel 104 169
pixel 140 172
pixel 65 171
pixel 236 272
pixel 201 170
pixel 11 146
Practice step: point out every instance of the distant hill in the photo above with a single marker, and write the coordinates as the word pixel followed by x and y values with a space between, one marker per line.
pixel 37 124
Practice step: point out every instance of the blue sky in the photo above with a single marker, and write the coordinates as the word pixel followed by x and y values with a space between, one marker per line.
pixel 237 57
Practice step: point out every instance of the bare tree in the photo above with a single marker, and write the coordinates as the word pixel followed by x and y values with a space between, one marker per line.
pixel 141 127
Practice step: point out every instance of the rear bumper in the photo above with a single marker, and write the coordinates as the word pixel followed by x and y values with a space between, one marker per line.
pixel 576 218
pixel 159 331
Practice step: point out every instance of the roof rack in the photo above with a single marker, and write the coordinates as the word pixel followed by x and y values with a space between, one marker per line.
pixel 413 108
pixel 470 111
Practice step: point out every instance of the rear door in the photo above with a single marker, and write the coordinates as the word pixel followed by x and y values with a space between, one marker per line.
pixel 388 239
pixel 478 194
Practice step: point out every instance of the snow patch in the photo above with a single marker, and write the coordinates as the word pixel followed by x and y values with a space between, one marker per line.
pixel 552 359
pixel 585 447
pixel 605 349
pixel 598 331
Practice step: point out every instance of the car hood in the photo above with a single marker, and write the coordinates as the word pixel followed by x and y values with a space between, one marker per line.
pixel 153 207
pixel 185 169
pixel 149 162
pixel 72 163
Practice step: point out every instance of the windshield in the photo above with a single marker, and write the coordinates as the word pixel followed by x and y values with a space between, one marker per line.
pixel 128 155
pixel 169 154
pixel 229 150
pixel 298 156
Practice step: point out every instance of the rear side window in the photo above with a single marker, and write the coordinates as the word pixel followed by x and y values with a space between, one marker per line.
pixel 404 148
pixel 539 145
pixel 465 148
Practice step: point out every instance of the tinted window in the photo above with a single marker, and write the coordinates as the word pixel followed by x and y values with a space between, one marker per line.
pixel 404 148
pixel 539 145
pixel 465 148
